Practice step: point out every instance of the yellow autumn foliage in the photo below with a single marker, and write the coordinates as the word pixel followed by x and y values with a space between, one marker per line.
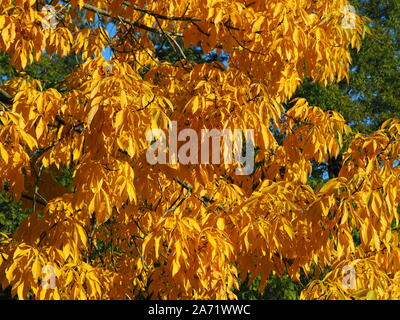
pixel 173 231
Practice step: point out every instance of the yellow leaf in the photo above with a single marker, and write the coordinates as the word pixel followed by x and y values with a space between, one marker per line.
pixel 257 25
pixel 148 240
pixel 70 277
pixel 124 101
pixel 345 216
pixel 330 186
pixel 39 103
pixel 119 118
pixel 131 192
pixel 56 295
pixel 219 17
pixel 246 241
pixel 377 241
pixel 23 58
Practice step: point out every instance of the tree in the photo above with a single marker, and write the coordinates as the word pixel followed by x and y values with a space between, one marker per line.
pixel 372 96
pixel 128 228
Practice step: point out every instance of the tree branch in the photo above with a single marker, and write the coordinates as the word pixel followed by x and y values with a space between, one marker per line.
pixel 133 23
pixel 39 201
pixel 5 97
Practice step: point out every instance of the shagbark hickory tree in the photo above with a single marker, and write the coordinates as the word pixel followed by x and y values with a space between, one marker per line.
pixel 130 229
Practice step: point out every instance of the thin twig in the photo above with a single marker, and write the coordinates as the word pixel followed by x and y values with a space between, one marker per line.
pixel 28 197
pixel 189 189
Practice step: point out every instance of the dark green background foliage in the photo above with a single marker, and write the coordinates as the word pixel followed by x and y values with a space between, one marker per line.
pixel 371 97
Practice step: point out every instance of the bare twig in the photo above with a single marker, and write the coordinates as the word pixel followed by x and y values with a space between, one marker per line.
pixel 162 194
pixel 139 227
pixel 133 23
